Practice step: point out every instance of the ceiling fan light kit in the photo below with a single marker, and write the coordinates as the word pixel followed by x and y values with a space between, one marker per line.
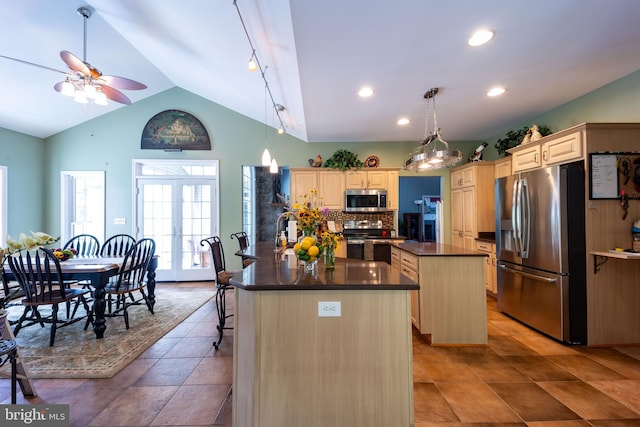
pixel 86 83
pixel 428 155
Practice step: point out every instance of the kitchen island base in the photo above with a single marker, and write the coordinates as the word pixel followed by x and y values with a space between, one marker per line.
pixel 294 368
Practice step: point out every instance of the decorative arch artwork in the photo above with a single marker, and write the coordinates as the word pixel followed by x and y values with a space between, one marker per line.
pixel 175 130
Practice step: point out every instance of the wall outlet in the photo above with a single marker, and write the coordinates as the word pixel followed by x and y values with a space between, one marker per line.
pixel 329 309
pixel 119 221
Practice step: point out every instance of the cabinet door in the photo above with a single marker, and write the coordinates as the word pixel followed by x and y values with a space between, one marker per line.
pixel 332 189
pixel 469 214
pixel 563 149
pixel 377 179
pixel 456 179
pixel 502 168
pixel 415 308
pixel 526 159
pixel 457 209
pixel 392 190
pixel 356 179
pixel 302 182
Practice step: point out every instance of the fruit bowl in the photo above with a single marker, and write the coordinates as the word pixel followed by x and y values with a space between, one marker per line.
pixel 64 254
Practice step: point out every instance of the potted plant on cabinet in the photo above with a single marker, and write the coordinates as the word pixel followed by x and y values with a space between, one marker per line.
pixel 514 138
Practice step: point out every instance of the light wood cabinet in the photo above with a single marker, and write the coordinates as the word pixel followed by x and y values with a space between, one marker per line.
pixel 393 183
pixel 552 149
pixel 450 307
pixel 361 179
pixel 491 271
pixel 329 183
pixel 472 203
pixel 302 181
pixel 331 188
pixel 502 167
pixel 562 149
pixel 527 157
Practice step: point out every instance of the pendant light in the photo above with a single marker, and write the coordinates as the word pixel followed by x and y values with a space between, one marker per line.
pixel 433 151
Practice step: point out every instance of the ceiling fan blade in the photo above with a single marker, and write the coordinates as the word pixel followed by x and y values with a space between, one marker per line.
pixel 35 65
pixel 122 83
pixel 75 63
pixel 115 95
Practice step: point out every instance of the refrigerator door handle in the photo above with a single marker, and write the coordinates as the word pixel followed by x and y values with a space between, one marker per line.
pixel 525 212
pixel 515 217
pixel 525 274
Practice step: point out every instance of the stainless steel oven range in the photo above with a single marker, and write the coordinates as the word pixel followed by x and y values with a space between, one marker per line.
pixel 367 240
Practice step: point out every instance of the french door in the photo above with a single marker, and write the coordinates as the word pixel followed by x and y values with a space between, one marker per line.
pixel 178 212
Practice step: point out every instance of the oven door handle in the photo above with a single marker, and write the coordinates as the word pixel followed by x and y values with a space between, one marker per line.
pixel 355 242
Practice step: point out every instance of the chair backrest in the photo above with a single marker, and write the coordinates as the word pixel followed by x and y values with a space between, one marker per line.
pixel 39 275
pixel 134 267
pixel 117 246
pixel 84 244
pixel 217 253
pixel 243 239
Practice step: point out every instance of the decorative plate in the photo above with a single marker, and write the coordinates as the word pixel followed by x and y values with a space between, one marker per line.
pixel 372 162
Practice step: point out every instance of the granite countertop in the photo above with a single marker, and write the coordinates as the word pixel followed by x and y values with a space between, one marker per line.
pixel 274 271
pixel 436 249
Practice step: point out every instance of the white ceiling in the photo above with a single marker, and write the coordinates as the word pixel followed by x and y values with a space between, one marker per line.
pixel 318 54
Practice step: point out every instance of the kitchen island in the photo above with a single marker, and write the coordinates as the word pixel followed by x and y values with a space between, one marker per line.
pixel 327 349
pixel 450 308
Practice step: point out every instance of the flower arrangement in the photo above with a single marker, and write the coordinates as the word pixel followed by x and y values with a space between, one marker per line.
pixel 35 240
pixel 308 213
pixel 330 240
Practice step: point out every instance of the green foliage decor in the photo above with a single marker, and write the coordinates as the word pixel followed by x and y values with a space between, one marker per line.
pixel 513 138
pixel 343 160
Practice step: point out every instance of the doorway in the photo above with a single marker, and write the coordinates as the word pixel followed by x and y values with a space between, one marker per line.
pixel 177 206
pixel 83 201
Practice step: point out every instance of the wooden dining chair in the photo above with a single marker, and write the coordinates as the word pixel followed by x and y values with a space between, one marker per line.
pixel 42 284
pixel 84 244
pixel 131 277
pixel 243 242
pixel 117 246
pixel 222 277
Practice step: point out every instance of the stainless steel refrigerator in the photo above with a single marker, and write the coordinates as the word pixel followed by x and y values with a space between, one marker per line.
pixel 540 246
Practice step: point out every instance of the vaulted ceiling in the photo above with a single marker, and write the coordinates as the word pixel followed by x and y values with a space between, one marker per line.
pixel 318 54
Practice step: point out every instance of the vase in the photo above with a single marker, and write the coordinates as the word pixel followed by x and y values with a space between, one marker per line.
pixel 329 258
pixel 310 267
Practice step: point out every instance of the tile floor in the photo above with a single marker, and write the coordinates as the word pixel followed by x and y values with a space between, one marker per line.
pixel 520 379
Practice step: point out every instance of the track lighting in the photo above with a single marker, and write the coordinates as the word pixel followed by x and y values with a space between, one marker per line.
pixel 278 108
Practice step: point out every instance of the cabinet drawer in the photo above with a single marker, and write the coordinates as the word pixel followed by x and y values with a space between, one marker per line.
pixel 483 247
pixel 410 273
pixel 395 257
pixel 409 261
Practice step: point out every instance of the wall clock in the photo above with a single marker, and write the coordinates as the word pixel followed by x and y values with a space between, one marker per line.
pixel 175 130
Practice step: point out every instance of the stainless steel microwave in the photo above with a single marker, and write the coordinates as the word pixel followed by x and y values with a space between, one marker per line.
pixel 365 201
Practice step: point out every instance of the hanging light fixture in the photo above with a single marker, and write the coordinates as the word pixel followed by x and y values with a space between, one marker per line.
pixel 428 155
pixel 254 65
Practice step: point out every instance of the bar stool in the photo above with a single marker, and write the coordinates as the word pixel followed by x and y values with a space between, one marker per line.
pixel 8 353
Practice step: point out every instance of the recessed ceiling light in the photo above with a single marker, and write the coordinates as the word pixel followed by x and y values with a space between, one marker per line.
pixel 496 91
pixel 481 37
pixel 365 92
pixel 403 121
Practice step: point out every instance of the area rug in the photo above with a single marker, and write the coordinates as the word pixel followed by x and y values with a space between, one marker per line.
pixel 78 354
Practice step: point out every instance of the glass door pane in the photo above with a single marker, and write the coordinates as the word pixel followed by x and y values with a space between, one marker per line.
pixel 177 214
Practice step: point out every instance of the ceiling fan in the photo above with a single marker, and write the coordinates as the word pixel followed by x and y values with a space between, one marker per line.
pixel 86 81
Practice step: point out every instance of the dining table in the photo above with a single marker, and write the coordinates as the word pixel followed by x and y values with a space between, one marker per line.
pixel 98 270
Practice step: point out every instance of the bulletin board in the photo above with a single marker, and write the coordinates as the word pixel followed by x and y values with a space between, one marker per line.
pixel 612 173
